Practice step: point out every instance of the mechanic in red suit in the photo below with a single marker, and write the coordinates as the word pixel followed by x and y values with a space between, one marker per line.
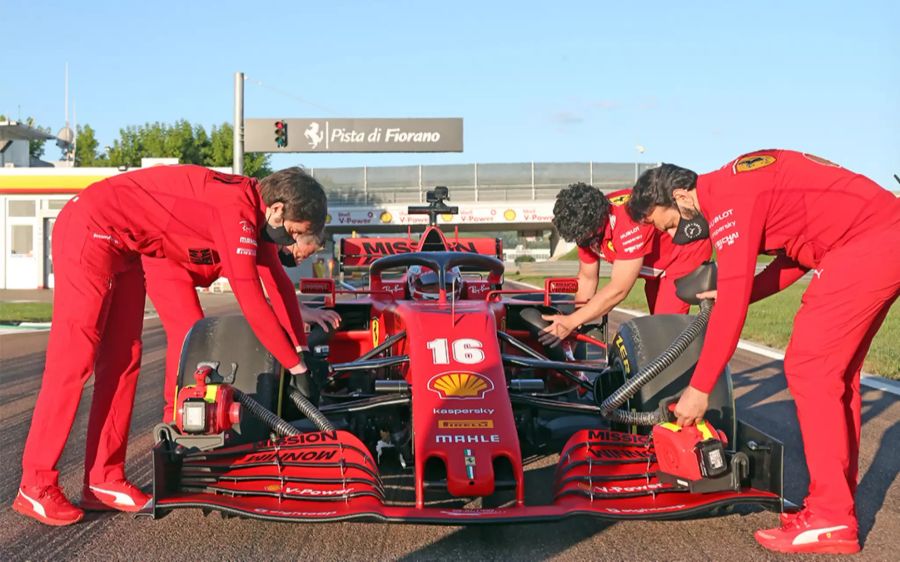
pixel 179 213
pixel 172 288
pixel 601 227
pixel 815 216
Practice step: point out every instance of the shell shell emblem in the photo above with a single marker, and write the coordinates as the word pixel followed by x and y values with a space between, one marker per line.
pixel 460 385
pixel 509 215
pixel 386 217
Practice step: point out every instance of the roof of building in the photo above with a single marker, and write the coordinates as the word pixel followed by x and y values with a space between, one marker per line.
pixel 15 130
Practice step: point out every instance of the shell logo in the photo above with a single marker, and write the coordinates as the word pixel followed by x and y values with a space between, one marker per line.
pixel 386 217
pixel 327 219
pixel 460 385
pixel 509 215
pixel 447 217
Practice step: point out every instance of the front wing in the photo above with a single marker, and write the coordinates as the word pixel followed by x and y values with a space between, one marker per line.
pixel 331 476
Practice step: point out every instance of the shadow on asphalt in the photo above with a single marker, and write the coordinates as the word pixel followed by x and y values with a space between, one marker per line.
pixel 531 541
pixel 774 364
pixel 882 471
pixel 512 542
pixel 874 486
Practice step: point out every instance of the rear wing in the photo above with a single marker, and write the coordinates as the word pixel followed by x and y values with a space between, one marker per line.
pixel 361 252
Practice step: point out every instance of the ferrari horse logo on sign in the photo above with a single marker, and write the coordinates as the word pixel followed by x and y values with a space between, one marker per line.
pixel 460 385
pixel 752 162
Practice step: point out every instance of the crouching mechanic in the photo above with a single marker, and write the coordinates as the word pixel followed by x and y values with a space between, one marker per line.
pixel 172 288
pixel 175 213
pixel 601 228
pixel 815 216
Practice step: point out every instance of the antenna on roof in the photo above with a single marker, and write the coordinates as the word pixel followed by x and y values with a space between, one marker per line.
pixel 65 138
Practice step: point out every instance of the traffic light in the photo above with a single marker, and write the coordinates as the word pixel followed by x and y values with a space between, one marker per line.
pixel 281 139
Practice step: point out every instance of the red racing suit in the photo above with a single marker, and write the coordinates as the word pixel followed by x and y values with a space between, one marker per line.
pixel 843 227
pixel 664 262
pixel 187 214
pixel 172 288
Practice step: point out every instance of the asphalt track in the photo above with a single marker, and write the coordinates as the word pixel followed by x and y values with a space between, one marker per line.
pixel 761 399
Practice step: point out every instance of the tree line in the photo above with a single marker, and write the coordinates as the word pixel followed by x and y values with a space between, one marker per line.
pixel 191 144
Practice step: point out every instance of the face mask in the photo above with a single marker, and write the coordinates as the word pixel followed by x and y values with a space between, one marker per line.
pixel 287 258
pixel 277 235
pixel 690 229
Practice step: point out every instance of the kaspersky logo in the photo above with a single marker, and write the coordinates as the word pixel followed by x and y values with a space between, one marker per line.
pixel 460 385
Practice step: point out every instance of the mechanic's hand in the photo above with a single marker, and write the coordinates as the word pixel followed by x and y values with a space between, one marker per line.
pixel 708 295
pixel 691 406
pixel 559 329
pixel 327 319
pixel 299 369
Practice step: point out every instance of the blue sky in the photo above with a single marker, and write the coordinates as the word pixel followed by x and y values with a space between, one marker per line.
pixel 696 83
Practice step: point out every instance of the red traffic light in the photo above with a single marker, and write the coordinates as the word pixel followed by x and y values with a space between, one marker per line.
pixel 281 134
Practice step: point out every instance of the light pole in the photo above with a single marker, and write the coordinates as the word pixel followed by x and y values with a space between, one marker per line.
pixel 237 165
pixel 640 148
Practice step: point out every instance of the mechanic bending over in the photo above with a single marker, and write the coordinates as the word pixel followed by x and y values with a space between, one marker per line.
pixel 172 288
pixel 601 227
pixel 815 216
pixel 178 213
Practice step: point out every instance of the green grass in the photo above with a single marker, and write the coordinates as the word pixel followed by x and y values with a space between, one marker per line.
pixel 571 255
pixel 25 311
pixel 770 322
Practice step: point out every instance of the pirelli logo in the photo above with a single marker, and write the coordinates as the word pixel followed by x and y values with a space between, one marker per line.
pixel 465 424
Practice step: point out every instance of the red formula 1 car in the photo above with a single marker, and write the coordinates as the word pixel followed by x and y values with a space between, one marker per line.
pixel 429 401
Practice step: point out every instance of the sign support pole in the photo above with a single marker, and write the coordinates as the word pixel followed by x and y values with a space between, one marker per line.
pixel 237 166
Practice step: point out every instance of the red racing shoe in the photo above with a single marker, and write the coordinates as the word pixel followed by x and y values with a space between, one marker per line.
pixel 807 533
pixel 789 514
pixel 118 495
pixel 47 504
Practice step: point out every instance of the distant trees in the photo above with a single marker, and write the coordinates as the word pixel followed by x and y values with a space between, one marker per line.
pixel 191 144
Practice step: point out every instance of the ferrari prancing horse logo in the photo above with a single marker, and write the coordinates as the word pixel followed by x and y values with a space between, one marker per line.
pixel 376 332
pixel 460 385
pixel 752 162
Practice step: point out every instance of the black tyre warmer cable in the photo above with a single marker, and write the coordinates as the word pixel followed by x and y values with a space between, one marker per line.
pixel 309 410
pixel 275 423
pixel 654 368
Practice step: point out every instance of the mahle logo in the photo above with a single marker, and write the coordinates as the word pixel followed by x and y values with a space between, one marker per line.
pixel 460 385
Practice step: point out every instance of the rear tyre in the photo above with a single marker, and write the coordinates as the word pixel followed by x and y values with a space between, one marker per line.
pixel 229 339
pixel 641 340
